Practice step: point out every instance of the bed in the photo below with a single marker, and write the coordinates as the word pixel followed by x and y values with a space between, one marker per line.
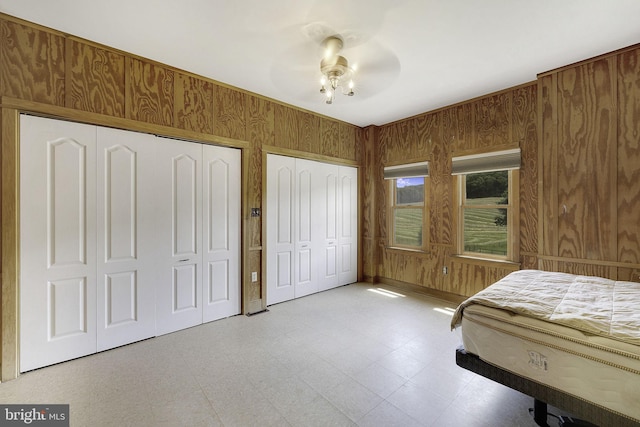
pixel 568 340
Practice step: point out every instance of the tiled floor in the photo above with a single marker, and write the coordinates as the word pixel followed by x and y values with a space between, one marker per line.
pixel 344 357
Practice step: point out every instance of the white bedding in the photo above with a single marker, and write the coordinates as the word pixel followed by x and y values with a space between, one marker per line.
pixel 577 334
pixel 590 304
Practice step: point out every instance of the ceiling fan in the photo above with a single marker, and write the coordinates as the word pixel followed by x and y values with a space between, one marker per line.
pixel 332 62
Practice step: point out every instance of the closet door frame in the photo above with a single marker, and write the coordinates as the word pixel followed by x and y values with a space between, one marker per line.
pixel 320 242
pixel 11 111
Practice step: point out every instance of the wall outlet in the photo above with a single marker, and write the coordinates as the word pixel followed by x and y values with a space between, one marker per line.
pixel 445 270
pixel 254 276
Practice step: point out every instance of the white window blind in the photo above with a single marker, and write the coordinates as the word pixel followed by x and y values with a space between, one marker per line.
pixel 486 162
pixel 409 170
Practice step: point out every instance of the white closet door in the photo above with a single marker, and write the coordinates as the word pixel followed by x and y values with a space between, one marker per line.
pixel 281 173
pixel 57 241
pixel 306 221
pixel 348 225
pixel 221 253
pixel 327 208
pixel 179 235
pixel 125 232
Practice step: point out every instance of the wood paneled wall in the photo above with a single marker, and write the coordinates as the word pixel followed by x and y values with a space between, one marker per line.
pixel 500 120
pixel 590 165
pixel 578 129
pixel 47 72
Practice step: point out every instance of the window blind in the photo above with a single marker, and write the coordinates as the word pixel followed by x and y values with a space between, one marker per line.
pixel 486 162
pixel 409 170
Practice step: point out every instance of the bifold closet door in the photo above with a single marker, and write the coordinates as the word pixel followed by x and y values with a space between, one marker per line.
pixel 311 227
pixel 125 230
pixel 281 172
pixel 178 215
pixel 124 236
pixel 221 203
pixel 348 225
pixel 57 241
pixel 327 205
pixel 307 220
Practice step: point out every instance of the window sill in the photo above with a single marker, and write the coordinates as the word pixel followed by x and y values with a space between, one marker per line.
pixel 502 263
pixel 401 249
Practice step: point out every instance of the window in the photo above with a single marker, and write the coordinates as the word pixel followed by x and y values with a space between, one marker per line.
pixel 485 213
pixel 407 204
pixel 408 208
pixel 487 208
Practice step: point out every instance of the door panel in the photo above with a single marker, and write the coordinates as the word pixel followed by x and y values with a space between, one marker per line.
pixel 58 242
pixel 67 308
pixel 221 201
pixel 280 228
pixel 178 217
pixel 125 233
pixel 305 223
pixel 185 214
pixel 348 225
pixel 327 203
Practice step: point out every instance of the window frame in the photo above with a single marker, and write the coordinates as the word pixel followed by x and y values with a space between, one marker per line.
pixel 513 217
pixel 393 207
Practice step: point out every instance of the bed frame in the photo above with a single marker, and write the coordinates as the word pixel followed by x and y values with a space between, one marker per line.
pixel 544 395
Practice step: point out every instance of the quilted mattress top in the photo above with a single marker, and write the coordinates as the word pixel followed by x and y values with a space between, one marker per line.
pixel 593 305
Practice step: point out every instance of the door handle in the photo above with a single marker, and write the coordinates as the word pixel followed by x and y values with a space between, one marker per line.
pixel 183 260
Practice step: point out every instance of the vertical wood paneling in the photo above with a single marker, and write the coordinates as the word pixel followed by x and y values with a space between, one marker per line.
pixel 10 243
pixel 32 64
pixel 347 147
pixel 359 144
pixel 586 155
pixel 629 274
pixel 548 165
pixel 330 138
pixel 368 184
pixel 254 292
pixel 457 123
pixel 261 132
pixel 151 92
pixel 95 79
pixel 528 262
pixel 261 121
pixel 286 127
pixel 429 269
pixel 193 104
pixel 441 192
pixel 427 130
pixel 405 133
pixel 492 121
pixel 525 131
pixel 468 278
pixel 384 144
pixel 229 112
pixel 308 132
pixel 628 178
pixel 587 269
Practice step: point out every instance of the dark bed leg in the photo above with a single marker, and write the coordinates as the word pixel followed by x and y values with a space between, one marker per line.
pixel 540 413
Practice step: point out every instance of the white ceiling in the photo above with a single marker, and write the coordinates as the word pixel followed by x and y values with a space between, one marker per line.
pixel 413 56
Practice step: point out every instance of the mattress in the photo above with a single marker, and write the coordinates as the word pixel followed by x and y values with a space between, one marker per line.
pixel 582 343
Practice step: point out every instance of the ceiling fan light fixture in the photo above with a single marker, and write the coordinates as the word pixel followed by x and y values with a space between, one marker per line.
pixel 335 68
